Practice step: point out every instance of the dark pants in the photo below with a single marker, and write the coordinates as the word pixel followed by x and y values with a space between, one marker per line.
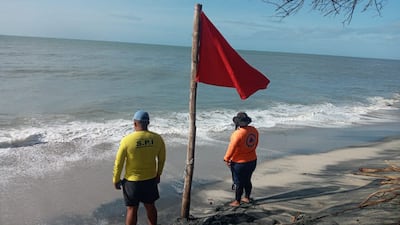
pixel 241 175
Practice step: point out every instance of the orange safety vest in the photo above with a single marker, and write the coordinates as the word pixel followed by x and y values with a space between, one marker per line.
pixel 242 146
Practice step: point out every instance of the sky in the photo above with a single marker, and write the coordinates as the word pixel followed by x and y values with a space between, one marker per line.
pixel 245 24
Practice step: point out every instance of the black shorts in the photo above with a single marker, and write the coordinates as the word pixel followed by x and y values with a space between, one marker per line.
pixel 145 191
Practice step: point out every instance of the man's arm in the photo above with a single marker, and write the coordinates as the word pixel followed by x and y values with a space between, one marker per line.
pixel 118 165
pixel 161 158
pixel 231 147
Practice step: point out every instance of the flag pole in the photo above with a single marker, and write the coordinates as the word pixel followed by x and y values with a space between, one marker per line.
pixel 192 116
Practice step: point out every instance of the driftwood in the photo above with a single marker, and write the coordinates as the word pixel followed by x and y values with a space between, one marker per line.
pixel 391 181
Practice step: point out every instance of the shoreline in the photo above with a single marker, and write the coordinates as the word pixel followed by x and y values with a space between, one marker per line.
pixel 283 187
pixel 307 189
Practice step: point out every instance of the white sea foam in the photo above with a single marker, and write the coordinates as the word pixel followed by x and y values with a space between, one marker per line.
pixel 50 146
pixel 176 125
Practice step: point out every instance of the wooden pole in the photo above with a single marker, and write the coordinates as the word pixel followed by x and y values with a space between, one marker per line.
pixel 192 116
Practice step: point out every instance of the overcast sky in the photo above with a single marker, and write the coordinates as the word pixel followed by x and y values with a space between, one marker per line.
pixel 246 24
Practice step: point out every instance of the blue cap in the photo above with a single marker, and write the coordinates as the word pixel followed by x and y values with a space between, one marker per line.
pixel 141 116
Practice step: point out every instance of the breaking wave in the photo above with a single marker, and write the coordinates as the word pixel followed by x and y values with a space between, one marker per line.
pixel 47 146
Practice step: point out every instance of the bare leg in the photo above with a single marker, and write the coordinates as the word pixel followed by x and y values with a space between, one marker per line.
pixel 151 211
pixel 131 215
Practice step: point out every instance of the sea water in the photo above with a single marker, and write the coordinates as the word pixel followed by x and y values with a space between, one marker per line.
pixel 71 101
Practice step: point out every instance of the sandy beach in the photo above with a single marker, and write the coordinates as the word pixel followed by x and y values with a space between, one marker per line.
pixel 307 188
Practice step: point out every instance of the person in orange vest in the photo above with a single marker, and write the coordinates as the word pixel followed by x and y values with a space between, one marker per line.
pixel 241 157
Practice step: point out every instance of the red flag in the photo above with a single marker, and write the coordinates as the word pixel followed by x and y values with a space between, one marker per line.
pixel 219 64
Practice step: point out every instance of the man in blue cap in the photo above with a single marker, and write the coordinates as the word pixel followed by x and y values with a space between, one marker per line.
pixel 143 153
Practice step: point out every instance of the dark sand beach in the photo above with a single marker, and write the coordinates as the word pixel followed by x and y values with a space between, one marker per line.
pixel 309 188
pixel 312 189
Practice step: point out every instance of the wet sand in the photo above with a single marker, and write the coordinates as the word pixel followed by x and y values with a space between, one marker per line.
pixel 305 187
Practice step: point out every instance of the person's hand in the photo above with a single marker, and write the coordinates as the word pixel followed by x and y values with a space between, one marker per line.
pixel 228 163
pixel 117 185
pixel 158 179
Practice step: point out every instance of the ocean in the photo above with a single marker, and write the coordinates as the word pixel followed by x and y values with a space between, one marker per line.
pixel 65 103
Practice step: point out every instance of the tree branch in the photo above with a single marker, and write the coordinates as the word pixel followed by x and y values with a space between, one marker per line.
pixel 387 194
pixel 285 8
